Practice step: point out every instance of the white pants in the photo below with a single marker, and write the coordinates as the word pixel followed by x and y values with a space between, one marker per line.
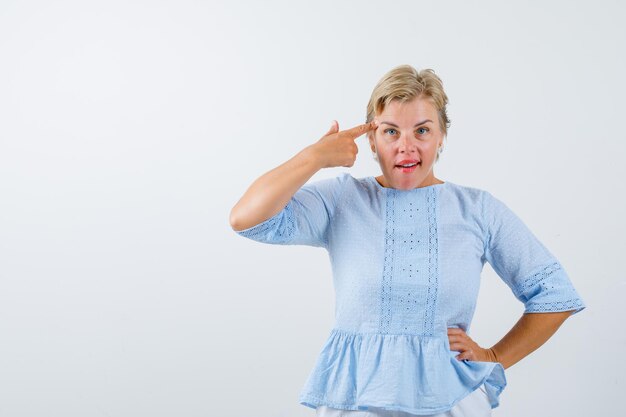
pixel 475 404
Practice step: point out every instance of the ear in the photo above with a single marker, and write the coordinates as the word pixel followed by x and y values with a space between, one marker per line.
pixel 370 137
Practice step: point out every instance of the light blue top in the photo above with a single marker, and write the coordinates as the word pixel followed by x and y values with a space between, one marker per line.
pixel 406 266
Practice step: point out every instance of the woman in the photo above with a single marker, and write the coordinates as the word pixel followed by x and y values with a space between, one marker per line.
pixel 406 250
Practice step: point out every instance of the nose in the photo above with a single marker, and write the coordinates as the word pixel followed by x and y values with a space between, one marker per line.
pixel 407 144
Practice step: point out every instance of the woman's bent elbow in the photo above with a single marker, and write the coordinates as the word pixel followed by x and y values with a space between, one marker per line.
pixel 234 220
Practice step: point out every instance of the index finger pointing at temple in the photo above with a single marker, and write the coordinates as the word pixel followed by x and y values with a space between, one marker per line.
pixel 357 131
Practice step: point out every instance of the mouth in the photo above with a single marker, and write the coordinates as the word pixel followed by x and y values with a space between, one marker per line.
pixel 408 167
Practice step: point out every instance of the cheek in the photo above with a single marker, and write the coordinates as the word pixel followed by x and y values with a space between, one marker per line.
pixel 385 151
pixel 428 147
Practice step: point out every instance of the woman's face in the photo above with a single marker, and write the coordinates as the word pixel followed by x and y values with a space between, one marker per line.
pixel 407 133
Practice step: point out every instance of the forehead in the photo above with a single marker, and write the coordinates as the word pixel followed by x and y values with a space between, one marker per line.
pixel 418 108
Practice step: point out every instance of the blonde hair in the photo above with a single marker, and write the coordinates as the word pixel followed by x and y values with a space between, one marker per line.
pixel 404 83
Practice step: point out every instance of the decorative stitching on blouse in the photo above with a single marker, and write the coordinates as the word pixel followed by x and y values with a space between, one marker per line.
pixel 386 294
pixel 285 232
pixel 539 277
pixel 433 269
pixel 554 306
pixel 290 221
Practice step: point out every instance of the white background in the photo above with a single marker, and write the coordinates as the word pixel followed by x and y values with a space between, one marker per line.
pixel 129 129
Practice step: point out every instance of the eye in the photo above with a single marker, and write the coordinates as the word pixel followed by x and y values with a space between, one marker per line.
pixel 387 130
pixel 423 128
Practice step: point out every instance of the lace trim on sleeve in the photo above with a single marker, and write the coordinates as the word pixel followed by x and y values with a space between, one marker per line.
pixel 278 229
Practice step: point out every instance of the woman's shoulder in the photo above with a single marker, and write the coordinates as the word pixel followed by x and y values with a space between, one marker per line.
pixel 470 189
pixel 471 198
pixel 480 200
pixel 349 182
pixel 465 192
pixel 334 185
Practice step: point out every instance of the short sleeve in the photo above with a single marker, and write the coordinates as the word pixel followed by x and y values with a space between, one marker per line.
pixel 535 276
pixel 305 219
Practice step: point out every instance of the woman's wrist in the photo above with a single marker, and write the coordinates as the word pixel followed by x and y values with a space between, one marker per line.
pixel 492 355
pixel 311 155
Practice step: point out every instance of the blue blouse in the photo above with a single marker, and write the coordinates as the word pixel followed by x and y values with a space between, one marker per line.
pixel 406 266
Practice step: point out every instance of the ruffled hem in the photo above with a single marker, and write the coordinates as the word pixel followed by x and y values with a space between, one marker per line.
pixel 410 373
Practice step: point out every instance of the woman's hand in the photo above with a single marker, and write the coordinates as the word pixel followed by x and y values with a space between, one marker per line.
pixel 337 148
pixel 461 342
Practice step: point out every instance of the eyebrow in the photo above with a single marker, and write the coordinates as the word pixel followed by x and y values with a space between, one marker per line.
pixel 417 124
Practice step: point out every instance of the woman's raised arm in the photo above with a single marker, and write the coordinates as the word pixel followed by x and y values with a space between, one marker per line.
pixel 269 193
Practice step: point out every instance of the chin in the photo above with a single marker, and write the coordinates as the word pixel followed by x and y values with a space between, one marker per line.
pixel 406 183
